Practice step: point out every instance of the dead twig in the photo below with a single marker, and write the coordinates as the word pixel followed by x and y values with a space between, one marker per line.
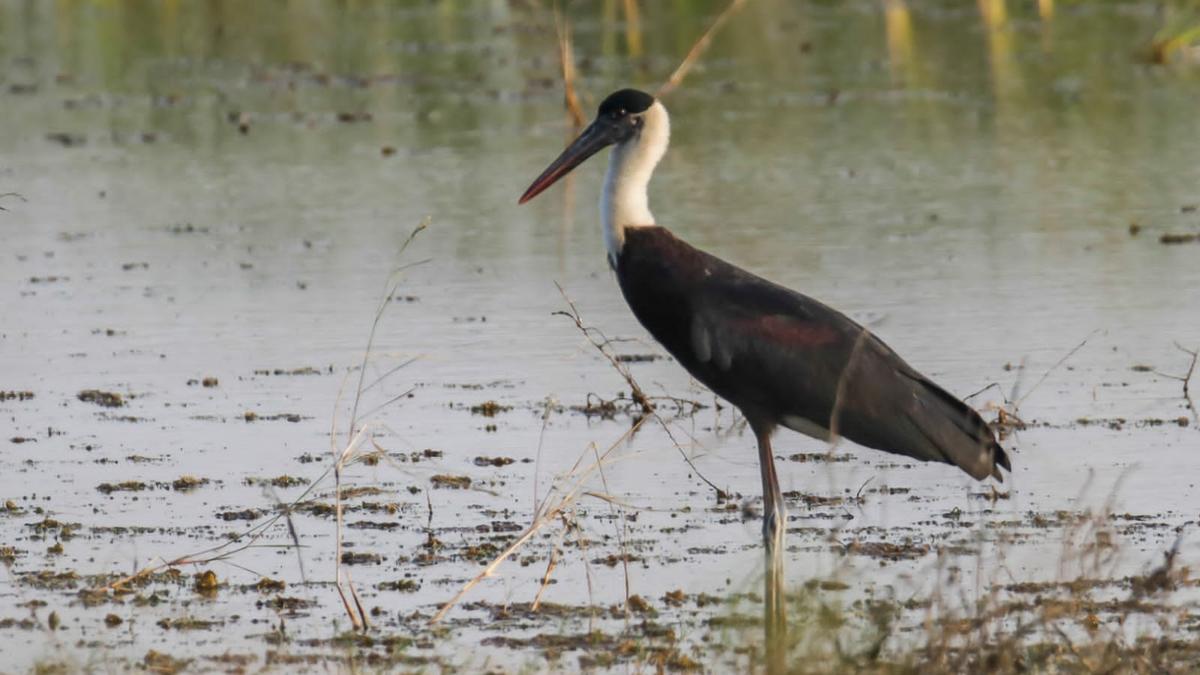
pixel 993 385
pixel 1007 419
pixel 1186 378
pixel 721 494
pixel 635 392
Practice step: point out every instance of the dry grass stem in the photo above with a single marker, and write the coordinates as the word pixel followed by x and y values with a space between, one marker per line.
pixel 358 435
pixel 581 543
pixel 701 45
pixel 555 554
pixel 566 57
pixel 840 391
pixel 537 465
pixel 390 287
pixel 1018 401
pixel 720 493
pixel 603 344
pixel 350 453
pixel 622 532
pixel 1186 379
pixel 633 27
pixel 554 506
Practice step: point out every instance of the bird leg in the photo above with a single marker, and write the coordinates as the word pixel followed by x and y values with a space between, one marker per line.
pixel 774 528
pixel 774 513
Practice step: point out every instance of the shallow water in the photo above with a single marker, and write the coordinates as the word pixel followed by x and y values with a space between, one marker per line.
pixel 214 191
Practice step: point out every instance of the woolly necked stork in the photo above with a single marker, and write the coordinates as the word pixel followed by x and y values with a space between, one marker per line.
pixel 783 358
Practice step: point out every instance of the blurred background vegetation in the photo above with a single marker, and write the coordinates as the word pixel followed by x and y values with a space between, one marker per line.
pixel 1113 81
pixel 476 52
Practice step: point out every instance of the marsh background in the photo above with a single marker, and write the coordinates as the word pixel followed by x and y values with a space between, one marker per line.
pixel 220 190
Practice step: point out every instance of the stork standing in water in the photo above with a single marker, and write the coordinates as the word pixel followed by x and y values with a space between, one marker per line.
pixel 784 359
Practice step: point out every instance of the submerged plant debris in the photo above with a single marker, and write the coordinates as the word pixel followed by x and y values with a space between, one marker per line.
pixel 106 399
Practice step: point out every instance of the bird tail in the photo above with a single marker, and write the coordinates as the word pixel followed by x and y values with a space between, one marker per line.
pixel 956 432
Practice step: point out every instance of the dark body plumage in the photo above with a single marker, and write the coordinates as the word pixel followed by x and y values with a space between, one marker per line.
pixel 785 359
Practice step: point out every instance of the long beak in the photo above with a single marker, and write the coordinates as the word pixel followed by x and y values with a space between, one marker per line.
pixel 594 138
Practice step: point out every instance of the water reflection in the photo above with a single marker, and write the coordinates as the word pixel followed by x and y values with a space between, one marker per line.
pixel 633 28
pixel 900 42
pixel 1046 9
pixel 775 623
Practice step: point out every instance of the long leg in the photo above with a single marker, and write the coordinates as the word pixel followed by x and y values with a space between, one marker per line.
pixel 774 528
pixel 774 513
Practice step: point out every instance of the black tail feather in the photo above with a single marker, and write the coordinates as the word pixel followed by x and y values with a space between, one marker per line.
pixel 961 452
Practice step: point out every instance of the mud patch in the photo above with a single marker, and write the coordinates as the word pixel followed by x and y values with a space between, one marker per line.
pixel 107 399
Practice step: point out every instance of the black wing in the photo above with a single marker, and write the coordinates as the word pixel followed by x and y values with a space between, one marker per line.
pixel 785 358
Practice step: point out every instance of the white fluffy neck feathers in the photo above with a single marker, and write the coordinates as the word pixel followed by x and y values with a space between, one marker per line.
pixel 625 202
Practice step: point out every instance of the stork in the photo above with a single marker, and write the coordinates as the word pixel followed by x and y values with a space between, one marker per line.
pixel 782 358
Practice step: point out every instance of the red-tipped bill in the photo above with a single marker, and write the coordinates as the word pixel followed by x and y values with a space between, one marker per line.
pixel 595 138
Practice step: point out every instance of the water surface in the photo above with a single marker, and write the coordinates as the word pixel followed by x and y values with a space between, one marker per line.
pixel 221 191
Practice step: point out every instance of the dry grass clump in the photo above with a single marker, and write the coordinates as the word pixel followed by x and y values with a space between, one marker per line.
pixel 1086 621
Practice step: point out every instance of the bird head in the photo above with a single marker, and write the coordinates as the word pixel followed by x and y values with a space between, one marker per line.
pixel 620 119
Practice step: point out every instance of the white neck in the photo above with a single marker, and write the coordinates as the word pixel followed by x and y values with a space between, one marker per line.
pixel 625 202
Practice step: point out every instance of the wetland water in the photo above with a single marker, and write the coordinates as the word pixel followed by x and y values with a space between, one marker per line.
pixel 211 198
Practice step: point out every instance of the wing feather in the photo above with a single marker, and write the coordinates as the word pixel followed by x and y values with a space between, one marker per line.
pixel 779 355
pixel 793 356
